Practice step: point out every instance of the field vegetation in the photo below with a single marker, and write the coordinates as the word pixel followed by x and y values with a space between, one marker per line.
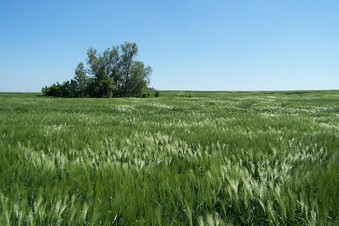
pixel 185 158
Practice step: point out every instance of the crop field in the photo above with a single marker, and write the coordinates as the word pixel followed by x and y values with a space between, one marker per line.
pixel 185 158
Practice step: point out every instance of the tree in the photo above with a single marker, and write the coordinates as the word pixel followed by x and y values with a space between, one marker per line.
pixel 81 79
pixel 99 67
pixel 114 73
pixel 129 52
pixel 139 78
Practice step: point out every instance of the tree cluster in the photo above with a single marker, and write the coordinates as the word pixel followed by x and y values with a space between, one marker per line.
pixel 114 73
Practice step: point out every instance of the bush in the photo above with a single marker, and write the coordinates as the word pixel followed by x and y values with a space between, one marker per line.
pixel 156 93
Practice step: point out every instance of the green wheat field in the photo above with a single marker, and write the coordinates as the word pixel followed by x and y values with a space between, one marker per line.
pixel 185 158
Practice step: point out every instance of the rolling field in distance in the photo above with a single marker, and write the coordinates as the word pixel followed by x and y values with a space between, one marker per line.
pixel 185 158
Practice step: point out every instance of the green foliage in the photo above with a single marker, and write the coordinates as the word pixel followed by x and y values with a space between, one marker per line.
pixel 66 89
pixel 114 73
pixel 156 93
pixel 149 92
pixel 215 158
pixel 82 80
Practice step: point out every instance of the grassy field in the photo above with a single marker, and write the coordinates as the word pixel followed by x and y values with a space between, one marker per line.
pixel 186 158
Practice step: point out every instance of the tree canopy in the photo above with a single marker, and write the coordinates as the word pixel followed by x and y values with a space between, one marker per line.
pixel 113 73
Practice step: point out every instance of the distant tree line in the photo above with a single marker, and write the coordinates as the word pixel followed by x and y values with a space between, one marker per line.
pixel 114 73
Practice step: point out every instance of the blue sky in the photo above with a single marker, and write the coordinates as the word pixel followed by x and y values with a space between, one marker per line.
pixel 190 44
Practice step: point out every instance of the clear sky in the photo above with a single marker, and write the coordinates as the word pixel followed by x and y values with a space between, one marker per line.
pixel 190 44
